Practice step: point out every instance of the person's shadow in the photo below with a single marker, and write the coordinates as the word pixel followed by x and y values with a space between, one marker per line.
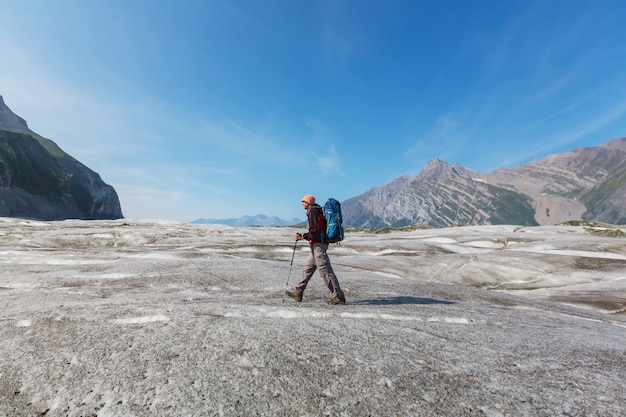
pixel 402 299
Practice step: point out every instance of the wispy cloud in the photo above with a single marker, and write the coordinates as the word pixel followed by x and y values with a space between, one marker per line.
pixel 330 162
pixel 323 143
pixel 258 146
pixel 592 125
pixel 445 134
pixel 584 128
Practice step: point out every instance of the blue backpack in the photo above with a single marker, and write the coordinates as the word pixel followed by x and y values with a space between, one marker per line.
pixel 332 214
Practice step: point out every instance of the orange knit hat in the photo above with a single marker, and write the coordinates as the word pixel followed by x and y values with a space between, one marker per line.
pixel 309 199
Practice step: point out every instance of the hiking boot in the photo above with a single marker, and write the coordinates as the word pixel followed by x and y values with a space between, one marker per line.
pixel 294 294
pixel 336 300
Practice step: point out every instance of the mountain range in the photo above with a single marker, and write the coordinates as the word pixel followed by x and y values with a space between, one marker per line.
pixel 258 220
pixel 586 183
pixel 40 181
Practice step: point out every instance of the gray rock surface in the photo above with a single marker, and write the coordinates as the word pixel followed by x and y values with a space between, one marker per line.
pixel 143 318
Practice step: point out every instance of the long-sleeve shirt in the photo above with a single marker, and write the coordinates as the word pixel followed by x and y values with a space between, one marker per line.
pixel 316 224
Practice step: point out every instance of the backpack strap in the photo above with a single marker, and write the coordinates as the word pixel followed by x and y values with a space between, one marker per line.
pixel 316 225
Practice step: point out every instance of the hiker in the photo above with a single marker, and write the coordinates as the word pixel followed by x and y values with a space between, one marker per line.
pixel 318 259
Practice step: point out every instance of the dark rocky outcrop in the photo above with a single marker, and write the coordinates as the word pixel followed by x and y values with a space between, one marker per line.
pixel 38 180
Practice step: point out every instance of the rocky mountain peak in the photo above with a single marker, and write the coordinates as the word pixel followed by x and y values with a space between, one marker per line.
pixel 586 183
pixel 436 168
pixel 40 181
pixel 435 164
pixel 11 121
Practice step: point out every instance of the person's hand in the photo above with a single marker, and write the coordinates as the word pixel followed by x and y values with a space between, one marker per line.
pixel 298 236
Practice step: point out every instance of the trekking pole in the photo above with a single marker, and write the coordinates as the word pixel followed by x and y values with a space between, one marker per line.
pixel 290 267
pixel 291 264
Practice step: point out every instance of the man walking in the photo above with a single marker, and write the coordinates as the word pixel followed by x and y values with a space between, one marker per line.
pixel 318 259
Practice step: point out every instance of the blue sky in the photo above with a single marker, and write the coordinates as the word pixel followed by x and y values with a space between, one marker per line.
pixel 220 108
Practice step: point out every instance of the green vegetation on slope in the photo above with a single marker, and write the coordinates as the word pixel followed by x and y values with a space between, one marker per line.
pixel 509 207
pixel 29 166
pixel 599 194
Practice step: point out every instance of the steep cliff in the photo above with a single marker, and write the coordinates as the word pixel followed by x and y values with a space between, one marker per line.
pixel 40 181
